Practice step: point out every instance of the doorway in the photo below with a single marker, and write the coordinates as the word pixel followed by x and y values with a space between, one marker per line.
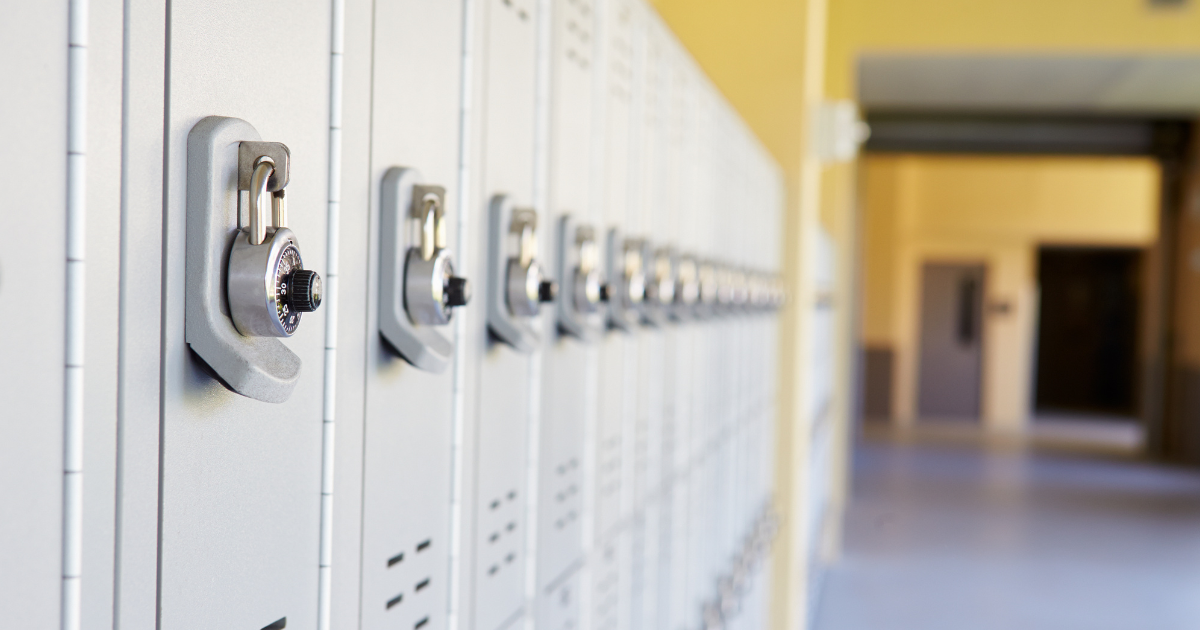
pixel 951 341
pixel 1087 331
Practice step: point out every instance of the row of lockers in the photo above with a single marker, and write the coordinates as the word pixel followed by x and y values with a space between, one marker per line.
pixel 571 427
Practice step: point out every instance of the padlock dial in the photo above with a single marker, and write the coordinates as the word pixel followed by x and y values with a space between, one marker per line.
pixel 305 295
pixel 288 262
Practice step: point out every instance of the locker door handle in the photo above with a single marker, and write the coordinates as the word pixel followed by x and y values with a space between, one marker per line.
pixel 687 288
pixel 516 286
pixel 583 288
pixel 418 286
pixel 706 275
pixel 626 280
pixel 660 291
pixel 236 312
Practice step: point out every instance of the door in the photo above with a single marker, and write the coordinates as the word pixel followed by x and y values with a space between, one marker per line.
pixel 1087 330
pixel 951 340
pixel 408 419
pixel 241 478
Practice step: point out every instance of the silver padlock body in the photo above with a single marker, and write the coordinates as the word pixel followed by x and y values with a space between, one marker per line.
pixel 664 290
pixel 425 287
pixel 587 291
pixel 635 289
pixel 256 291
pixel 522 289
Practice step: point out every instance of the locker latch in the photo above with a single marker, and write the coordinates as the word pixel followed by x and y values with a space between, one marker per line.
pixel 245 287
pixel 583 288
pixel 419 288
pixel 269 288
pixel 687 287
pixel 516 284
pixel 660 290
pixel 627 280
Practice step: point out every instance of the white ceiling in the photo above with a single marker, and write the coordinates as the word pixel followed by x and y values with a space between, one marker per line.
pixel 1147 84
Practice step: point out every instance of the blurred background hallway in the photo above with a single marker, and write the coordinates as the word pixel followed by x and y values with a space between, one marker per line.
pixel 945 531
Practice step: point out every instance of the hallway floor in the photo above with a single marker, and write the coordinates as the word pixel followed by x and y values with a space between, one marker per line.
pixel 955 537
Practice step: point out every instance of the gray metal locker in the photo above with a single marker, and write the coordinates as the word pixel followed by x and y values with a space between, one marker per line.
pixel 240 498
pixel 497 376
pixel 407 407
pixel 33 267
pixel 568 356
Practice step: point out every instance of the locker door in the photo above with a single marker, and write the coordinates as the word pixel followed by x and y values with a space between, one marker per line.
pixel 241 481
pixel 498 377
pixel 614 408
pixel 33 172
pixel 408 424
pixel 568 363
pixel 678 452
pixel 612 497
pixel 652 365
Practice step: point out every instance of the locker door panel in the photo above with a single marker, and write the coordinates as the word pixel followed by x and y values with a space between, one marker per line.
pixel 408 423
pixel 568 364
pixel 615 349
pixel 499 392
pixel 241 478
pixel 33 173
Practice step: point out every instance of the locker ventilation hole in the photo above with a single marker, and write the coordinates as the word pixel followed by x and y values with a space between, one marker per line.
pixel 421 623
pixel 394 560
pixel 424 545
pixel 395 600
pixel 421 585
pixel 277 625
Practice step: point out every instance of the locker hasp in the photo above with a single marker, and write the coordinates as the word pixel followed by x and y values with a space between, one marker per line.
pixel 419 288
pixel 517 286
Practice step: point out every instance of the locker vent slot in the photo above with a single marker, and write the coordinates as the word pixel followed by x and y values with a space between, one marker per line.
pixel 395 600
pixel 421 623
pixel 493 569
pixel 422 584
pixel 521 13
pixel 279 624
pixel 396 559
pixel 424 545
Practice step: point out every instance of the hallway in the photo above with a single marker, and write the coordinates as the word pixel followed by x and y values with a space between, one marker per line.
pixel 951 536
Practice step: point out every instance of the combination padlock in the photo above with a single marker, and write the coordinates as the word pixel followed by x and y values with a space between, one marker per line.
pixel 687 286
pixel 590 289
pixel 582 280
pixel 626 281
pixel 431 288
pixel 527 287
pixel 660 288
pixel 268 286
pixel 634 275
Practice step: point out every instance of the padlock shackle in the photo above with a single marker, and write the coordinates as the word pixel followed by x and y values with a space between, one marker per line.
pixel 260 199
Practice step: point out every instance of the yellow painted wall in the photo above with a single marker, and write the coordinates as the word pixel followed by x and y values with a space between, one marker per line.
pixel 994 210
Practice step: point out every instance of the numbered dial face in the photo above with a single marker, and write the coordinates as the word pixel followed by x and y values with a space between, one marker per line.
pixel 289 261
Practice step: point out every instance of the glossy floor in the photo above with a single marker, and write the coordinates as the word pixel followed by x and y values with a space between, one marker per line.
pixel 959 536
